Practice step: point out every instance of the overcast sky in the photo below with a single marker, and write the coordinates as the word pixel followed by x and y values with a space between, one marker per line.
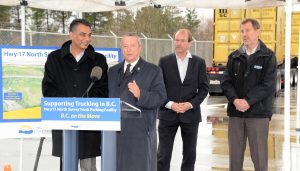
pixel 209 13
pixel 297 7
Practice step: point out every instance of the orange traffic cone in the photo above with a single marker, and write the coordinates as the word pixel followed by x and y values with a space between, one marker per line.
pixel 7 167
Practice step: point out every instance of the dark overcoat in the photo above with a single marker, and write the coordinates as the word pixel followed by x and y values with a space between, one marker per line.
pixel 65 77
pixel 137 140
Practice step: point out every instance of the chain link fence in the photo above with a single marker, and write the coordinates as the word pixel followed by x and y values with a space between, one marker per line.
pixel 153 49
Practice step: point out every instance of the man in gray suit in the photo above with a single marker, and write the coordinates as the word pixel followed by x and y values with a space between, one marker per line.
pixel 141 84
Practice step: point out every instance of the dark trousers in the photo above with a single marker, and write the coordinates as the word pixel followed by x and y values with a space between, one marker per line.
pixel 256 130
pixel 167 131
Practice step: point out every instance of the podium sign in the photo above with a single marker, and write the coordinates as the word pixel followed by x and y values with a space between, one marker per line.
pixel 81 113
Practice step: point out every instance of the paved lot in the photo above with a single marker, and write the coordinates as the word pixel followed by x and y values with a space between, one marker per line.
pixel 212 151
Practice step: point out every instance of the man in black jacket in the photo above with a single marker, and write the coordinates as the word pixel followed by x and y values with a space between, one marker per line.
pixel 67 74
pixel 249 85
pixel 187 86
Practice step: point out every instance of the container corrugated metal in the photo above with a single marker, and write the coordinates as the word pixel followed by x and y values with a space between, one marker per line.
pixel 272 24
pixel 280 35
pixel 295 33
pixel 267 19
pixel 227 36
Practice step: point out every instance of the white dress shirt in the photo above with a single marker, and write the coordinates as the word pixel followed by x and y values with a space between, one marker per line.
pixel 182 68
pixel 131 65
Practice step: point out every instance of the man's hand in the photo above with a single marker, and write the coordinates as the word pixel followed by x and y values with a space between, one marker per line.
pixel 175 107
pixel 185 106
pixel 241 105
pixel 181 107
pixel 134 89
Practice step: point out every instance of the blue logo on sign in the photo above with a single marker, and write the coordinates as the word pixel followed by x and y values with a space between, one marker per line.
pixel 25 129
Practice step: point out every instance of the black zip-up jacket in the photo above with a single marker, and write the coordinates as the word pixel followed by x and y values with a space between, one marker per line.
pixel 253 80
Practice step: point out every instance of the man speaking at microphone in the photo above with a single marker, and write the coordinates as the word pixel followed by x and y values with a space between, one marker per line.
pixel 69 72
pixel 140 84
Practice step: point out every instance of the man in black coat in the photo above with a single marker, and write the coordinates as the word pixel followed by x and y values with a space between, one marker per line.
pixel 249 85
pixel 187 86
pixel 67 74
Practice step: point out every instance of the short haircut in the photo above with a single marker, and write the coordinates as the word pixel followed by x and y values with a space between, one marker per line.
pixel 254 22
pixel 78 21
pixel 133 35
pixel 188 32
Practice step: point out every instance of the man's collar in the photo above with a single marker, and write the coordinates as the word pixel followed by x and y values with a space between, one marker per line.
pixel 79 55
pixel 188 55
pixel 132 64
pixel 255 49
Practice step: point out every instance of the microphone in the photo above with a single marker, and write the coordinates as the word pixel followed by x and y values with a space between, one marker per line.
pixel 96 74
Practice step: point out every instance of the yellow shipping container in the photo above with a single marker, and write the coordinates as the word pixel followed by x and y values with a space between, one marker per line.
pixel 227 31
pixel 226 34
pixel 295 33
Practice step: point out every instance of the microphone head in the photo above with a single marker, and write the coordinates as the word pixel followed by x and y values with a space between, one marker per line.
pixel 96 73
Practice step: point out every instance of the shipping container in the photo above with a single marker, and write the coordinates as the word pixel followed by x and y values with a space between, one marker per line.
pixel 227 38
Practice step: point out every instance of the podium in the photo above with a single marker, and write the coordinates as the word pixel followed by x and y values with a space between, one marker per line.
pixel 73 114
pixel 109 139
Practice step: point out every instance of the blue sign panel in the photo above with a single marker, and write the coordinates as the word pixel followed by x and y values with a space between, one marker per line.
pixel 80 109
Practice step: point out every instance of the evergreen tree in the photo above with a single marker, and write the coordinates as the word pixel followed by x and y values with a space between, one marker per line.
pixel 38 17
pixel 91 17
pixel 172 20
pixel 98 20
pixel 60 20
pixel 107 21
pixel 123 22
pixel 15 17
pixel 153 22
pixel 157 21
pixel 147 21
pixel 4 16
pixel 192 20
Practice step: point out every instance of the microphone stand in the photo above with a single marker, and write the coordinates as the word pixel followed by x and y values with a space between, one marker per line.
pixel 38 155
pixel 70 144
pixel 88 89
pixel 70 139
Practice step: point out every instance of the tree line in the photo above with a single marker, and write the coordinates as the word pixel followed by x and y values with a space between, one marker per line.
pixel 153 22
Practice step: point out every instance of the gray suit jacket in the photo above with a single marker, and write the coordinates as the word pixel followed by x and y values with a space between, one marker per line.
pixel 137 142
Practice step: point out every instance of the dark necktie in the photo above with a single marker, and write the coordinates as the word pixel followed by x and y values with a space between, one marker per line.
pixel 127 71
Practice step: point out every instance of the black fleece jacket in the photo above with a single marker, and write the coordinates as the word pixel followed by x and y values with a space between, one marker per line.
pixel 252 78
